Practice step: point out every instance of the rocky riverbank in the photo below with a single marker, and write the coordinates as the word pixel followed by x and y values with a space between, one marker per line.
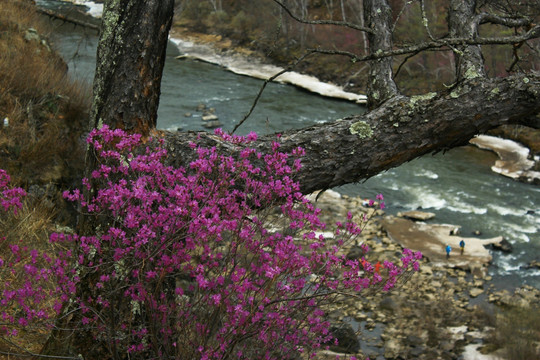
pixel 221 51
pixel 441 312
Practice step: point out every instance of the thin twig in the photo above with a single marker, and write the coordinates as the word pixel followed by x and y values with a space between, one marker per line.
pixel 425 21
pixel 270 79
pixel 439 43
pixel 403 63
pixel 323 22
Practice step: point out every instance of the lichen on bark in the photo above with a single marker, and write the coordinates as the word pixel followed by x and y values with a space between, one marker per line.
pixel 362 129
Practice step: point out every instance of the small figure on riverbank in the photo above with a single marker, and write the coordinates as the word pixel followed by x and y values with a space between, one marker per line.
pixel 448 249
pixel 462 246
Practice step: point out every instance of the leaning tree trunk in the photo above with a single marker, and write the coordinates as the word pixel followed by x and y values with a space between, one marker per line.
pixel 360 146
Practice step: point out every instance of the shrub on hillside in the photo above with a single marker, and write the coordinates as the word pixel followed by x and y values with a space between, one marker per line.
pixel 225 258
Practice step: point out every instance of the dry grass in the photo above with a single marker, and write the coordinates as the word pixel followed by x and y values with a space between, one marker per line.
pixel 42 147
pixel 517 332
pixel 47 112
pixel 31 226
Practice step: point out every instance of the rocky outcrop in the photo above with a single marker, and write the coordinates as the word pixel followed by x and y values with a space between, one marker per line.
pixel 416 215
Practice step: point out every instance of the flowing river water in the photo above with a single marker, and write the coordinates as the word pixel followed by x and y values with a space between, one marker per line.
pixel 458 186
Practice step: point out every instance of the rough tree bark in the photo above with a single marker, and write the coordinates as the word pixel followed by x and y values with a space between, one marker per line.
pixel 381 85
pixel 403 128
pixel 462 23
pixel 129 65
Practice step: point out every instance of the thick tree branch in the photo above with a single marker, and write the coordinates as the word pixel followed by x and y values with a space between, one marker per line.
pixel 484 18
pixel 360 146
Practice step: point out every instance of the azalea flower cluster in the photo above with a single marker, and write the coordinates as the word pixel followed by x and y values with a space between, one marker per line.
pixel 222 259
pixel 10 198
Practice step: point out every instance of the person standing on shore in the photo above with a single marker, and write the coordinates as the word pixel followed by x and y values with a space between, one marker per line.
pixel 448 249
pixel 462 246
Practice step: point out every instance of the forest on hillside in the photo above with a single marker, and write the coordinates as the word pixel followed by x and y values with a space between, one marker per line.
pixel 265 26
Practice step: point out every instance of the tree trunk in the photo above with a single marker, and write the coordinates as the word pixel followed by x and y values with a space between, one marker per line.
pixel 381 85
pixel 462 23
pixel 360 146
pixel 130 59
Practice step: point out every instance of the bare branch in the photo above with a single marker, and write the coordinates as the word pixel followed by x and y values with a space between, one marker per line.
pixel 270 79
pixel 398 16
pixel 437 44
pixel 485 18
pixel 425 21
pixel 410 56
pixel 323 22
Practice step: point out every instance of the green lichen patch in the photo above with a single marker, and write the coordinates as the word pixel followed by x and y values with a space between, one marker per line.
pixel 362 129
pixel 462 90
pixel 417 98
pixel 471 73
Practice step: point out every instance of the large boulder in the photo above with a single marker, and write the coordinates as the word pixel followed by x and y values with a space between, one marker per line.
pixel 503 246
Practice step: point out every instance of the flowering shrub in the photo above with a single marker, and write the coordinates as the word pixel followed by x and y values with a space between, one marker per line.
pixel 32 281
pixel 10 198
pixel 222 259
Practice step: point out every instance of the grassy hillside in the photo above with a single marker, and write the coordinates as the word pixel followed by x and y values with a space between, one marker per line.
pixel 42 113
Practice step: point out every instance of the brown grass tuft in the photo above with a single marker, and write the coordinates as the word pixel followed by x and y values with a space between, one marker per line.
pixel 47 112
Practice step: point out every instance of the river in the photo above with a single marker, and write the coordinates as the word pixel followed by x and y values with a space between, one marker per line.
pixel 458 186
